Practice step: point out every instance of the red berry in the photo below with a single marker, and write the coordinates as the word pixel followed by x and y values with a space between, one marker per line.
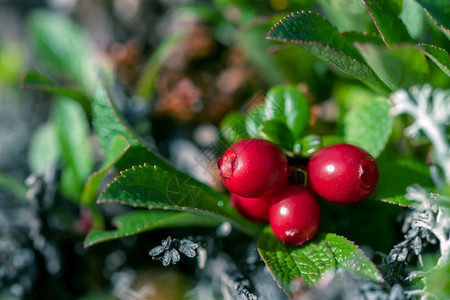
pixel 255 209
pixel 253 168
pixel 294 215
pixel 342 173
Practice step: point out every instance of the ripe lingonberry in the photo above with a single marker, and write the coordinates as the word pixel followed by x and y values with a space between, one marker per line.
pixel 253 168
pixel 342 173
pixel 294 215
pixel 255 209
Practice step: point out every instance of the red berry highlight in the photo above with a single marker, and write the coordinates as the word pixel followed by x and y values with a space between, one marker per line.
pixel 255 209
pixel 342 173
pixel 294 215
pixel 253 168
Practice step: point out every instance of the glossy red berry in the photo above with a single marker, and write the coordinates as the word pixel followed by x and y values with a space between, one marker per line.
pixel 255 209
pixel 342 173
pixel 253 168
pixel 294 215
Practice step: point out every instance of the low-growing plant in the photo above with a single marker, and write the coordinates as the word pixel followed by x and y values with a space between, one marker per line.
pixel 386 87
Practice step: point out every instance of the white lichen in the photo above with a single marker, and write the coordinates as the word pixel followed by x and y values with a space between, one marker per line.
pixel 430 109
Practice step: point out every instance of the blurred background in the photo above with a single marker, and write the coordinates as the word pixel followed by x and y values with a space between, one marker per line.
pixel 176 68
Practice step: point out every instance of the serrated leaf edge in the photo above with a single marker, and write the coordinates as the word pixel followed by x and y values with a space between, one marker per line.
pixel 380 276
pixel 324 235
pixel 376 23
pixel 236 220
pixel 434 20
pixel 419 47
pixel 121 175
pixel 393 203
pixel 296 41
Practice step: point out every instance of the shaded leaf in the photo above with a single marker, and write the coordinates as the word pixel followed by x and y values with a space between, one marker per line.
pixel 362 37
pixel 253 120
pixel 369 125
pixel 290 106
pixel 348 95
pixel 438 11
pixel 438 55
pixel 12 61
pixel 276 132
pixel 232 127
pixel 140 221
pixel 391 28
pixel 326 252
pixel 36 81
pixel 13 186
pixel 119 146
pixel 398 67
pixel 155 187
pixel 397 176
pixel 121 156
pixel 122 148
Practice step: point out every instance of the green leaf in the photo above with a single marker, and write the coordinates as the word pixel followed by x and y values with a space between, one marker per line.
pixel 329 140
pixel 119 146
pixel 140 221
pixel 308 145
pixel 289 106
pixel 44 148
pixel 316 35
pixel 413 17
pixel 310 28
pixel 347 15
pixel 63 47
pixel 122 147
pixel 397 176
pixel 232 127
pixel 437 278
pixel 438 11
pixel 253 120
pixel 391 28
pixel 326 252
pixel 348 95
pixel 108 122
pixel 399 67
pixel 276 132
pixel 13 186
pixel 396 6
pixel 362 37
pixel 74 133
pixel 37 81
pixel 121 156
pixel 154 187
pixel 369 125
pixel 438 55
pixel 146 82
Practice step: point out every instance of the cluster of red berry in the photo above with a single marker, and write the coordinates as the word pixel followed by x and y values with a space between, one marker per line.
pixel 257 174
